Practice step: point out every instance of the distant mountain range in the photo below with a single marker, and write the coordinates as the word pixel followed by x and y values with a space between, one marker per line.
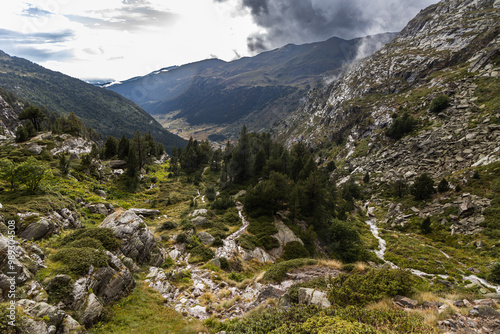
pixel 256 91
pixel 103 110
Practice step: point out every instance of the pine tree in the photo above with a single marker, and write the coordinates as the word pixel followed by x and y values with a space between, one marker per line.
pixel 123 148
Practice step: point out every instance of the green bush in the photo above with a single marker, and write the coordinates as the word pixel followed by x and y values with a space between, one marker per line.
pixel 201 254
pixel 168 225
pixel 443 186
pixel 59 288
pixel 344 242
pixel 181 238
pixel 277 271
pixel 222 203
pixel 494 275
pixel 423 187
pixel 262 226
pixel 268 242
pixel 79 260
pixel 248 241
pixel 224 264
pixel 439 103
pixel 425 227
pixel 361 289
pixel 104 235
pixel 294 250
pixel 85 242
pixel 401 126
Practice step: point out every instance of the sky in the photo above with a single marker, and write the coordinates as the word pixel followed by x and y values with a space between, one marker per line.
pixel 120 39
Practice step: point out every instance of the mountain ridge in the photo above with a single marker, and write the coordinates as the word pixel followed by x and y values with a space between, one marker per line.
pixel 107 112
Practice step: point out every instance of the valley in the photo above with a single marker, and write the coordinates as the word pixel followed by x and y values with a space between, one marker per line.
pixel 365 204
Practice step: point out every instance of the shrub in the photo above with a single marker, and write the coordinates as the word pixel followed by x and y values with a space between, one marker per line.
pixel 248 241
pixel 210 192
pixel 494 275
pixel 268 242
pixel 168 225
pixel 104 235
pixel 222 203
pixel 294 250
pixel 79 260
pixel 361 289
pixel 85 242
pixel 401 126
pixel 262 226
pixel 278 270
pixel 181 238
pixel 201 254
pixel 224 264
pixel 344 242
pixel 425 227
pixel 217 242
pixel 443 186
pixel 59 288
pixel 423 187
pixel 439 103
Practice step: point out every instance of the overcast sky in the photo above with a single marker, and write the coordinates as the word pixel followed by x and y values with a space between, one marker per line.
pixel 120 39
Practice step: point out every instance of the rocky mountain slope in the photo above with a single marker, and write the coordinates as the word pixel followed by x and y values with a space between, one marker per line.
pixel 255 91
pixel 104 111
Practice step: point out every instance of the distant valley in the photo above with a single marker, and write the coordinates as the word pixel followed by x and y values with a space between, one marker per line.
pixel 213 98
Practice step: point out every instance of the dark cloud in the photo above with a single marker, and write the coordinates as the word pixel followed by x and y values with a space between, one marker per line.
pixel 134 16
pixel 303 21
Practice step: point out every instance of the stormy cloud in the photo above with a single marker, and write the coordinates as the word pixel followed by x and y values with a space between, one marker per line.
pixel 303 21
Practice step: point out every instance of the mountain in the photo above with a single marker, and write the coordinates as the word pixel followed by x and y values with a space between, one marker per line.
pixel 255 91
pixel 451 49
pixel 105 111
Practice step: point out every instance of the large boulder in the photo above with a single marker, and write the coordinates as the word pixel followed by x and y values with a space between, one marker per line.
pixel 199 220
pixel 145 212
pixel 43 228
pixel 138 242
pixel 313 297
pixel 284 236
pixel 54 319
pixel 92 311
pixel 206 238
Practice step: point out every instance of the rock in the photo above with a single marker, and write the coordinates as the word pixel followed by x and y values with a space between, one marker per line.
pixel 495 296
pixel 459 303
pixel 130 264
pixel 484 312
pixel 111 285
pixel 206 238
pixel 405 302
pixel 199 312
pixel 240 193
pixel 52 315
pixel 284 236
pixel 310 296
pixel 20 257
pixel 43 228
pixel 92 312
pixel 484 302
pixel 158 280
pixel 101 193
pixel 198 212
pixel 259 254
pixel 138 242
pixel 145 212
pixel 466 208
pixel 35 149
pixel 284 301
pixel 117 164
pixel 99 208
pixel 433 305
pixel 199 220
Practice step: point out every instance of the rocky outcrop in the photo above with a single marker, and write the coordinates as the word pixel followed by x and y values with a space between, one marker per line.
pixel 145 212
pixel 54 320
pixel 284 236
pixel 72 145
pixel 205 238
pixel 313 297
pixel 43 228
pixel 138 242
pixel 8 118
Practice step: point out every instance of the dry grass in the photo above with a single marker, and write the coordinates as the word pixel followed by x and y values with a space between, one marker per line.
pixel 360 266
pixel 382 304
pixel 334 264
pixel 224 293
pixel 207 298
pixel 230 303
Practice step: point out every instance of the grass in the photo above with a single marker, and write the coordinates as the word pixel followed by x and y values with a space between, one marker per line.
pixel 144 312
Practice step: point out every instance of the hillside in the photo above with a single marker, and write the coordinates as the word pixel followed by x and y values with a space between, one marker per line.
pixel 105 111
pixel 219 97
pixel 374 208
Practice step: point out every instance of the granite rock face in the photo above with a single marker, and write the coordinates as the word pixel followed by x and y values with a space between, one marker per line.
pixel 138 242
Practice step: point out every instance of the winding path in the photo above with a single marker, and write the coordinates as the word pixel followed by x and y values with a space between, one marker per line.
pixel 230 246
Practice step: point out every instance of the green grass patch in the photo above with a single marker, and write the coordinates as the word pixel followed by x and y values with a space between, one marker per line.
pixel 277 271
